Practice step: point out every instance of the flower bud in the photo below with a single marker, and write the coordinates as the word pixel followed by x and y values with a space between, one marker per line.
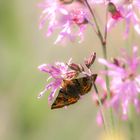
pixel 75 67
pixel 90 60
pixel 114 12
pixel 81 67
pixel 116 62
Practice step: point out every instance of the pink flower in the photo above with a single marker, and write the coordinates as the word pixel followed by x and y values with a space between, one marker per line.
pixel 130 11
pixel 75 18
pixel 61 71
pixel 125 81
pixel 57 73
pixel 99 118
pixel 69 19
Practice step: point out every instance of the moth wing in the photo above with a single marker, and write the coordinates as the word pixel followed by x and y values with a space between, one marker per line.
pixel 64 100
pixel 86 88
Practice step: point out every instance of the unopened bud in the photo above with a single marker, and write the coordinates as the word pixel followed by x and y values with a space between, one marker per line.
pixel 81 67
pixel 113 10
pixel 90 60
pixel 111 7
pixel 74 66
pixel 116 62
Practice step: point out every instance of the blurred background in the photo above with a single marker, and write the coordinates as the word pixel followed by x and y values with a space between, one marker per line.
pixel 22 49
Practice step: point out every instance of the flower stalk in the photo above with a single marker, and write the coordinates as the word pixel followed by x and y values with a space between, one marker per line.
pixel 101 107
pixel 103 41
pixel 131 130
pixel 131 123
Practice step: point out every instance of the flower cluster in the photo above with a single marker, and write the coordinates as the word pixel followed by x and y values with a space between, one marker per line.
pixel 127 11
pixel 71 17
pixel 57 72
pixel 125 82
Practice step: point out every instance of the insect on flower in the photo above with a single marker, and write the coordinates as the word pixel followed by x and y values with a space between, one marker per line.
pixel 71 90
pixel 64 77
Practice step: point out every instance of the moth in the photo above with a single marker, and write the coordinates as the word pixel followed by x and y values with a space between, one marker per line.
pixel 71 90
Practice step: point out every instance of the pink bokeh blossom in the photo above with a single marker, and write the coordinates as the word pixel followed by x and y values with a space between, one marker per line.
pixel 70 20
pixel 130 12
pixel 125 81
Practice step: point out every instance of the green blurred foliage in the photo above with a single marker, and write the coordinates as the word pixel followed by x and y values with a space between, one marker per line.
pixel 22 48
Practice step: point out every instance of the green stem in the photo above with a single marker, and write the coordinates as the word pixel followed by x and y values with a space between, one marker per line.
pixel 105 30
pixel 131 128
pixel 107 86
pixel 103 43
pixel 131 125
pixel 106 69
pixel 101 107
pixel 94 18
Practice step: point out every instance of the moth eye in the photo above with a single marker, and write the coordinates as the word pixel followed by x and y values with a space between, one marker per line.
pixel 61 90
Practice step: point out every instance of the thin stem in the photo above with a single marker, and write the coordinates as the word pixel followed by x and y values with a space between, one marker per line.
pixel 101 107
pixel 131 124
pixel 131 128
pixel 103 43
pixel 94 18
pixel 106 68
pixel 105 30
pixel 107 86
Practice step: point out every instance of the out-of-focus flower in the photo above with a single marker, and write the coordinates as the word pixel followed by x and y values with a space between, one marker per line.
pixel 51 12
pixel 99 118
pixel 125 81
pixel 70 19
pixel 115 14
pixel 130 12
pixel 57 73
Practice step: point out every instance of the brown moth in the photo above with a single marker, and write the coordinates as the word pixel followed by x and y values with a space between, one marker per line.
pixel 71 90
